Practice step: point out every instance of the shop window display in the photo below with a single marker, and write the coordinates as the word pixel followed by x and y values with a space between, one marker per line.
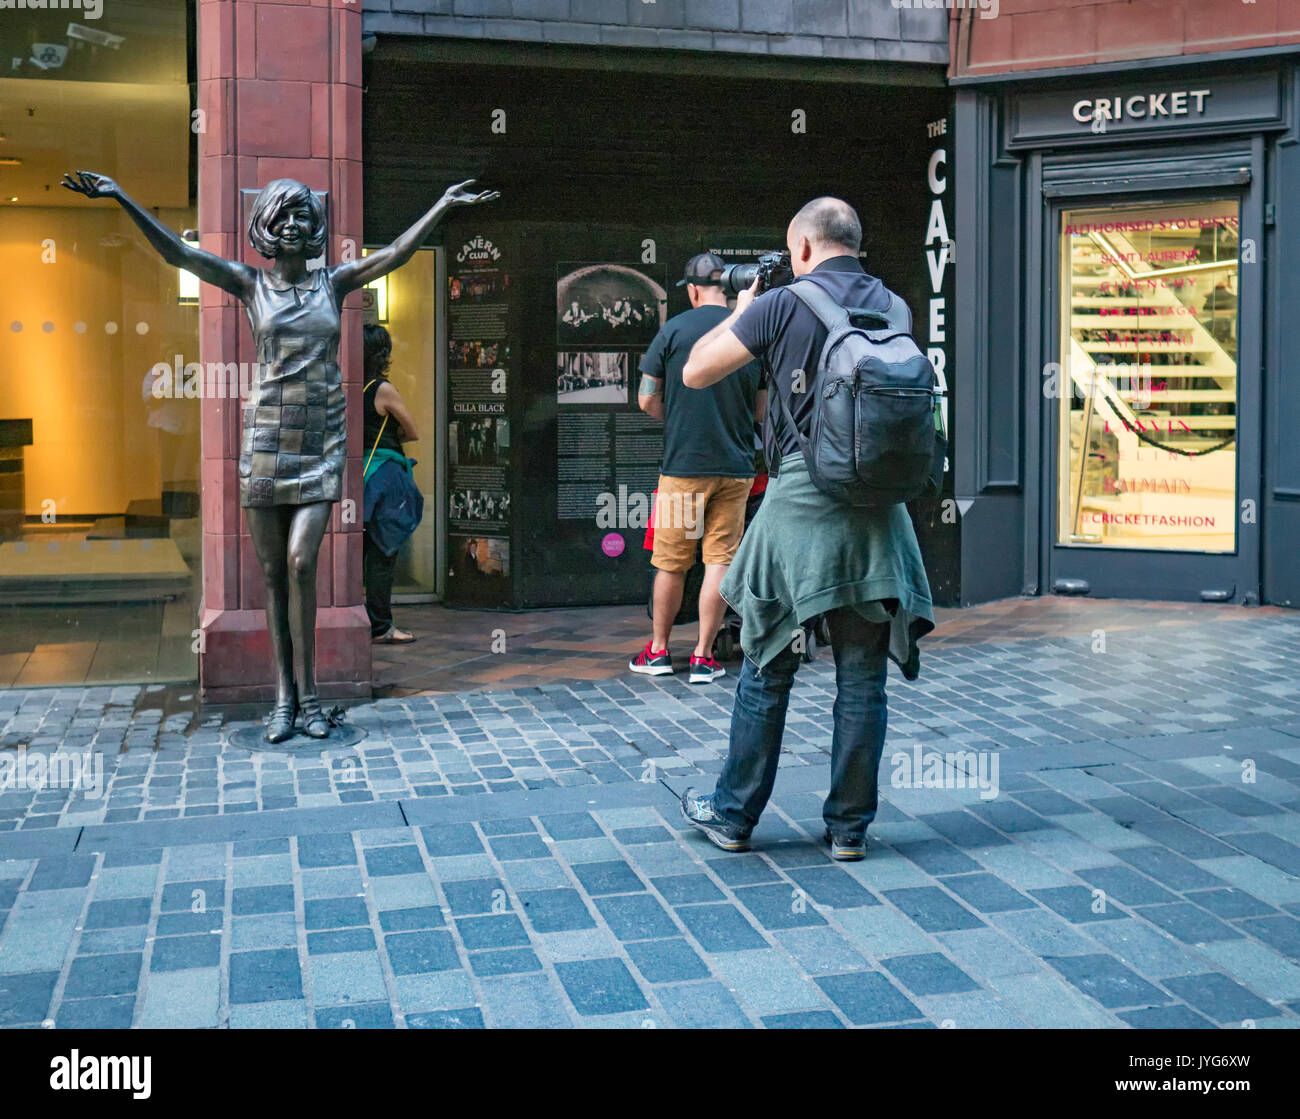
pixel 1148 377
pixel 99 454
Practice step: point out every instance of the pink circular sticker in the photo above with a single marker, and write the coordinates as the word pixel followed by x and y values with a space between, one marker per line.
pixel 612 544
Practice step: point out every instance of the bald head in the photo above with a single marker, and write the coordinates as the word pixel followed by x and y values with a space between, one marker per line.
pixel 829 223
pixel 825 228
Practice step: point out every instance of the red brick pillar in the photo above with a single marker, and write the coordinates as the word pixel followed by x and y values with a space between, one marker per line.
pixel 280 90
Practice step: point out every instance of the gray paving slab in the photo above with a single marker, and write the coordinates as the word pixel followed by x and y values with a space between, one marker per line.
pixel 497 859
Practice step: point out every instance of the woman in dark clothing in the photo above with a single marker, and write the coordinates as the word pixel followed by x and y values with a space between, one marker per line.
pixel 391 499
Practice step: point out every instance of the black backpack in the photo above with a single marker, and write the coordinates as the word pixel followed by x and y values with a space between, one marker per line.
pixel 876 436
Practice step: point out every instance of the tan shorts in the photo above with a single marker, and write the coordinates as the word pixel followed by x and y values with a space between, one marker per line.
pixel 708 513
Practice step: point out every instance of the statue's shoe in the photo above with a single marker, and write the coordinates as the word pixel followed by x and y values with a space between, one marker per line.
pixel 280 725
pixel 314 720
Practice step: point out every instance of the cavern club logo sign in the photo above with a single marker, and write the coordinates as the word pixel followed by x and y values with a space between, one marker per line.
pixel 478 250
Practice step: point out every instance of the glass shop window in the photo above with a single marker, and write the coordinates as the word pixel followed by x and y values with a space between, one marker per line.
pixel 99 471
pixel 1148 382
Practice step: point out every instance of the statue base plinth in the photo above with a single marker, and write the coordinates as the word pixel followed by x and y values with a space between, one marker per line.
pixel 254 740
pixel 236 665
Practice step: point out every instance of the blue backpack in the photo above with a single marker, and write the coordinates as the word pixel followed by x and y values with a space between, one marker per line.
pixel 876 436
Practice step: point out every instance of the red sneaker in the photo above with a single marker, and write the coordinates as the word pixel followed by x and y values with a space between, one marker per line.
pixel 704 670
pixel 651 663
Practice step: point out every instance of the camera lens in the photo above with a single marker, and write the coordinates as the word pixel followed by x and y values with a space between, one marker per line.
pixel 737 277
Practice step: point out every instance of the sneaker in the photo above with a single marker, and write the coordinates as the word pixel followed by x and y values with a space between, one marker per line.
pixel 651 663
pixel 704 670
pixel 697 810
pixel 846 848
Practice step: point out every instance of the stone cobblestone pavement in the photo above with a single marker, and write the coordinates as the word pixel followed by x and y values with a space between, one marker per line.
pixel 507 858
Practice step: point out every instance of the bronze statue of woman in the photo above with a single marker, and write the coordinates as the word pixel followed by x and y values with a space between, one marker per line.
pixel 294 422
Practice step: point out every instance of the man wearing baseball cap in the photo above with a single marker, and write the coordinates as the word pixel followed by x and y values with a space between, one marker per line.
pixel 707 470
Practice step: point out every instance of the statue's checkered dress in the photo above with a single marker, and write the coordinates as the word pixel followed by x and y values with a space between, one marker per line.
pixel 295 419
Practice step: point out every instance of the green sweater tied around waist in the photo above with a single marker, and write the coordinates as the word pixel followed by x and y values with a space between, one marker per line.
pixel 805 553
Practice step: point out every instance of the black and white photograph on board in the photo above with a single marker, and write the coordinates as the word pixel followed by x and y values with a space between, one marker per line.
pixel 482 441
pixel 607 305
pixel 591 376
pixel 478 505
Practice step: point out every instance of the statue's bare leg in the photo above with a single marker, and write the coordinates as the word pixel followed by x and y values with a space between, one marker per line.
pixel 306 532
pixel 269 529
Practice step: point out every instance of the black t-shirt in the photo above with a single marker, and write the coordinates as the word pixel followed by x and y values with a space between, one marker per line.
pixel 708 433
pixel 782 331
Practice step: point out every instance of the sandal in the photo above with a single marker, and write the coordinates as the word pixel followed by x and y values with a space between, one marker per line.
pixel 393 636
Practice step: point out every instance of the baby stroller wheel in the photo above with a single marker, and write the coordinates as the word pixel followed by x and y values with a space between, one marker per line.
pixel 724 646
pixel 815 633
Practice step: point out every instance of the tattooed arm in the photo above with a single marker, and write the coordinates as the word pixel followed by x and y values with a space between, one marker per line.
pixel 650 396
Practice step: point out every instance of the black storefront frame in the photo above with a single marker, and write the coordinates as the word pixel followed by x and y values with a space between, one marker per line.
pixel 404 77
pixel 1005 334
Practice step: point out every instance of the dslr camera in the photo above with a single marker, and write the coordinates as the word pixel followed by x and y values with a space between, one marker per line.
pixel 772 269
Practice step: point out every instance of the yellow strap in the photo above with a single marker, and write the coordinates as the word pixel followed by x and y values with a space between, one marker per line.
pixel 377 437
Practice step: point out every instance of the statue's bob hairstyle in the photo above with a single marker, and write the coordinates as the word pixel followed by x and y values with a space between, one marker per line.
pixel 272 200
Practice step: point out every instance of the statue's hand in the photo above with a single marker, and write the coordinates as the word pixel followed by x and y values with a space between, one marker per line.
pixel 90 184
pixel 458 195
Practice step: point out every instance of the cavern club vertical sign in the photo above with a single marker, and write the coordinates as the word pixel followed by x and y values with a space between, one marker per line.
pixel 939 251
pixel 937 521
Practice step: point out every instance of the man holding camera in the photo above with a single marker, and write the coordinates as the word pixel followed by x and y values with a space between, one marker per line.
pixel 708 467
pixel 807 554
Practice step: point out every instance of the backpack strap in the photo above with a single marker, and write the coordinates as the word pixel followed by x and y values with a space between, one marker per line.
pixel 789 419
pixel 896 315
pixel 366 388
pixel 833 317
pixel 820 302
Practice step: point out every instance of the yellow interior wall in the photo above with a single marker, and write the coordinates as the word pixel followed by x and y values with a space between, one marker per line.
pixel 93 449
pixel 412 322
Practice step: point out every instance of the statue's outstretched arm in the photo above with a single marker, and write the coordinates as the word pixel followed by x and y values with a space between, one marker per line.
pixel 229 275
pixel 353 274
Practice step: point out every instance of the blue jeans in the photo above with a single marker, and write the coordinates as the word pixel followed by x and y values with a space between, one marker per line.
pixel 758 722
